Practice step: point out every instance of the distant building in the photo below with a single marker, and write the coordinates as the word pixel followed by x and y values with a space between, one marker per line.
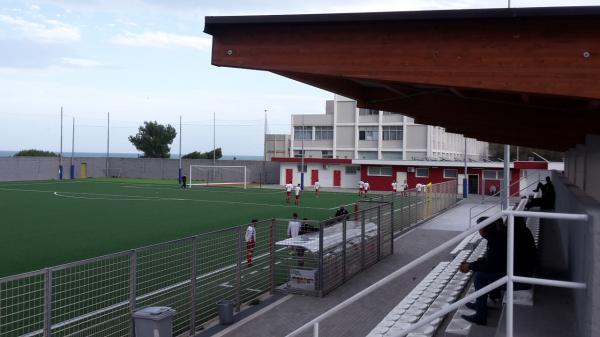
pixel 277 145
pixel 348 132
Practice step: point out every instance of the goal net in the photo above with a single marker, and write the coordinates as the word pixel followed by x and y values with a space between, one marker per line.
pixel 208 175
pixel 112 172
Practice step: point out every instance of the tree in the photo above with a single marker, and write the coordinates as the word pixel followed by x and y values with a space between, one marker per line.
pixel 154 139
pixel 204 155
pixel 35 153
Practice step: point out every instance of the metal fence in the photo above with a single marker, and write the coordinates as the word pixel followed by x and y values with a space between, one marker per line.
pixel 97 297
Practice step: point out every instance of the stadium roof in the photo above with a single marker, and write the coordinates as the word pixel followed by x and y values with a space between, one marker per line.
pixel 523 76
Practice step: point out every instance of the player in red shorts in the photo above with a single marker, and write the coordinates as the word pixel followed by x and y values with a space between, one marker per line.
pixel 297 192
pixel 288 189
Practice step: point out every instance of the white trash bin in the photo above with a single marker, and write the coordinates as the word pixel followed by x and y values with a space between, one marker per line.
pixel 154 322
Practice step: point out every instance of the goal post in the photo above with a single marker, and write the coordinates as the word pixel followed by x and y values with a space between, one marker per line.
pixel 209 175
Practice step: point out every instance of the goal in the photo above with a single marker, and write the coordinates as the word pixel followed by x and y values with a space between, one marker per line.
pixel 208 175
pixel 112 172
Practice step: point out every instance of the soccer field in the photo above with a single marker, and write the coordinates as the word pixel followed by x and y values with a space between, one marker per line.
pixel 46 223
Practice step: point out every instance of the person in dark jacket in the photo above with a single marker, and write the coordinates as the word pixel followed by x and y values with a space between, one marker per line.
pixel 488 269
pixel 548 196
pixel 525 252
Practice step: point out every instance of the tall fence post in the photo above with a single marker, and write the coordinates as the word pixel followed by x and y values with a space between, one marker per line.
pixel 321 260
pixel 193 284
pixel 344 244
pixel 409 209
pixel 272 255
pixel 132 288
pixel 378 232
pixel 48 302
pixel 392 227
pixel 238 272
pixel 362 240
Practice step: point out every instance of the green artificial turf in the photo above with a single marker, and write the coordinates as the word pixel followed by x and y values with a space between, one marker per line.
pixel 47 223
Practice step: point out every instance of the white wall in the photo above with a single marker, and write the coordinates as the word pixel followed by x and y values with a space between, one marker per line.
pixel 325 175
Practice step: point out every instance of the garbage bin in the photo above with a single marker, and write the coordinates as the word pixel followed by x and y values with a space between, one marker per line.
pixel 225 308
pixel 154 322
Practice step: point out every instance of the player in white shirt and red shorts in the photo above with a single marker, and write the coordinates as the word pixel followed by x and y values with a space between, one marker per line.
pixel 394 186
pixel 317 186
pixel 361 187
pixel 250 242
pixel 297 192
pixel 366 188
pixel 288 189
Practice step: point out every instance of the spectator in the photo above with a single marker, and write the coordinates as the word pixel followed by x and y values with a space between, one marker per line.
pixel 487 269
pixel 548 196
pixel 250 242
pixel 525 252
pixel 341 213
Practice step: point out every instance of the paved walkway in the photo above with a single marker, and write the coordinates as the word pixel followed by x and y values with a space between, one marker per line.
pixel 290 312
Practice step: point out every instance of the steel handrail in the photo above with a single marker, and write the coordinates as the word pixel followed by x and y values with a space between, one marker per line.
pixel 509 279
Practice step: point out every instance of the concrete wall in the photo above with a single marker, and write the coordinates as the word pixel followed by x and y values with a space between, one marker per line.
pixel 44 168
pixel 572 250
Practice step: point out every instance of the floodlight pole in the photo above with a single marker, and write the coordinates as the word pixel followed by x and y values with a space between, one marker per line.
pixel 60 165
pixel 107 141
pixel 214 144
pixel 180 135
pixel 72 170
pixel 302 160
pixel 263 178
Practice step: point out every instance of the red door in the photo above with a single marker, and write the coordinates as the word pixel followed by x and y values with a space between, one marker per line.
pixel 337 178
pixel 314 176
pixel 289 175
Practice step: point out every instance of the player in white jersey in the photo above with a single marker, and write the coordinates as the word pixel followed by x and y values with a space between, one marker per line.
pixel 366 188
pixel 288 189
pixel 294 226
pixel 250 242
pixel 297 193
pixel 361 187
pixel 317 186
pixel 394 186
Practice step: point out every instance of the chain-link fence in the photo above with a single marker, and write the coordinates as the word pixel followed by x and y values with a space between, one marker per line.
pixel 97 297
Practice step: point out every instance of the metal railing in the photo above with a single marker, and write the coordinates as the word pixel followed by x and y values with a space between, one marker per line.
pixel 498 203
pixel 507 280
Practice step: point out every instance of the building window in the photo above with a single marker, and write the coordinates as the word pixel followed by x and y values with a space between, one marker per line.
pixel 422 172
pixel 392 133
pixel 450 173
pixel 326 154
pixel 323 132
pixel 368 112
pixel 299 168
pixel 298 153
pixel 368 133
pixel 496 175
pixel 382 171
pixel 352 169
pixel 303 132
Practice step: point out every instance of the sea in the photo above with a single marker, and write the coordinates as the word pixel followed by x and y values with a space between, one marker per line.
pixel 134 155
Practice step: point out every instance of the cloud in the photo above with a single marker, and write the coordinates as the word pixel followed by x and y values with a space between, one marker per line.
pixel 74 62
pixel 47 31
pixel 161 40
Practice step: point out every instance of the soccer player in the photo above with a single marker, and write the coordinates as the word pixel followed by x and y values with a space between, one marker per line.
pixel 288 188
pixel 250 241
pixel 297 193
pixel 394 186
pixel 366 188
pixel 183 182
pixel 317 186
pixel 361 187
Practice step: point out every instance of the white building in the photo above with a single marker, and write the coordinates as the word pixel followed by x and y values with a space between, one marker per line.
pixel 348 132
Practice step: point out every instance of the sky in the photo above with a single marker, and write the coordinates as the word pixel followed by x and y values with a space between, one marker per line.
pixel 146 60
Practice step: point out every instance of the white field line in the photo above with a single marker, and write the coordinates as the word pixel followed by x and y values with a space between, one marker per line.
pixel 119 197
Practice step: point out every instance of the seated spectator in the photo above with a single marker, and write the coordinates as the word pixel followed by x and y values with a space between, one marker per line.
pixel 342 213
pixel 525 252
pixel 547 199
pixel 488 269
